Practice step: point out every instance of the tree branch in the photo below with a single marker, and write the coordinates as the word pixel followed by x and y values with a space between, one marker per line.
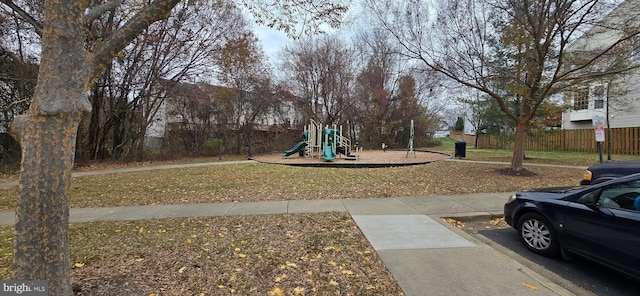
pixel 28 18
pixel 157 10
pixel 14 103
pixel 99 10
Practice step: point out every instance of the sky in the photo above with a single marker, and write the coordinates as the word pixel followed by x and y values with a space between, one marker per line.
pixel 273 41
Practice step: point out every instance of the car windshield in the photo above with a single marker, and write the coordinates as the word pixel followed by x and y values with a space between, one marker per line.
pixel 621 196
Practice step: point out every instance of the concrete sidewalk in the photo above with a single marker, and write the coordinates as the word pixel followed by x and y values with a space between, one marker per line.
pixel 425 255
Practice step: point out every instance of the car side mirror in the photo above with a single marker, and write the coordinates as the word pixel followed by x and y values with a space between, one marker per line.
pixel 590 199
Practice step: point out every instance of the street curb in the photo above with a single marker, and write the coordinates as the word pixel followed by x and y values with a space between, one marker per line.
pixel 473 216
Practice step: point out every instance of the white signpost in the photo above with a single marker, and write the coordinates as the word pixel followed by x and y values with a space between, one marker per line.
pixel 598 127
pixel 599 133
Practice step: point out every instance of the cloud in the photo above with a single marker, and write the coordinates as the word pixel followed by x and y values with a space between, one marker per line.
pixel 273 41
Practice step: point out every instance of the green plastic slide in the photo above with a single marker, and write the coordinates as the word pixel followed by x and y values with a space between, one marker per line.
pixel 328 154
pixel 295 148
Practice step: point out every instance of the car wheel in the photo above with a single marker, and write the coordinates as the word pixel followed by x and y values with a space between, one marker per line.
pixel 538 235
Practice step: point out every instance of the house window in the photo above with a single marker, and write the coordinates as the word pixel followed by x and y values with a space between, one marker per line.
pixel 592 97
pixel 581 99
pixel 598 94
pixel 598 104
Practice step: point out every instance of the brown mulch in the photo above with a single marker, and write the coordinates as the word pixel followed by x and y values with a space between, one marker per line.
pixel 364 157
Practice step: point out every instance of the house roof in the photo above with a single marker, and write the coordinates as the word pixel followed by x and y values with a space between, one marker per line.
pixel 181 91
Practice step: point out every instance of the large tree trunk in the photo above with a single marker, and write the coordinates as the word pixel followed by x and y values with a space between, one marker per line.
pixel 519 146
pixel 42 214
pixel 47 136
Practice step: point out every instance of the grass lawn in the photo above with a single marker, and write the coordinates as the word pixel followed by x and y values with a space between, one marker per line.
pixel 306 254
pixel 548 157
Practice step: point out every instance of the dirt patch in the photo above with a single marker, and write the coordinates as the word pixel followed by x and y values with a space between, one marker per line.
pixel 399 157
pixel 520 173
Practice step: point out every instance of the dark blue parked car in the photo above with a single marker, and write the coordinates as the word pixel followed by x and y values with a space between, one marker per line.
pixel 600 222
pixel 609 170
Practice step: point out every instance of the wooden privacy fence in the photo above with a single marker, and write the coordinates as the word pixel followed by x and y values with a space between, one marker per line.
pixel 622 140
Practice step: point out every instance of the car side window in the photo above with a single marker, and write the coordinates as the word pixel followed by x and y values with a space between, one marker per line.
pixel 590 198
pixel 623 196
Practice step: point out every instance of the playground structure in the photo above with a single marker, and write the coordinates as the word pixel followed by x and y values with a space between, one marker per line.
pixel 323 142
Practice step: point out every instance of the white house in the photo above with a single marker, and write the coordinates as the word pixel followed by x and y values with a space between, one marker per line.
pixel 616 97
pixel 195 105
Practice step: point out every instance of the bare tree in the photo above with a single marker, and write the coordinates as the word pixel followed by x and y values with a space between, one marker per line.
pixel 433 97
pixel 17 81
pixel 298 18
pixel 377 86
pixel 18 68
pixel 320 74
pixel 127 97
pixel 248 96
pixel 516 52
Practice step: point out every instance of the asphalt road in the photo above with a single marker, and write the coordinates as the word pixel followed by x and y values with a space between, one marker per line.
pixel 589 276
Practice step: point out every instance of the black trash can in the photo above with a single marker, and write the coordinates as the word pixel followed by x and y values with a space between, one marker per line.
pixel 460 149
